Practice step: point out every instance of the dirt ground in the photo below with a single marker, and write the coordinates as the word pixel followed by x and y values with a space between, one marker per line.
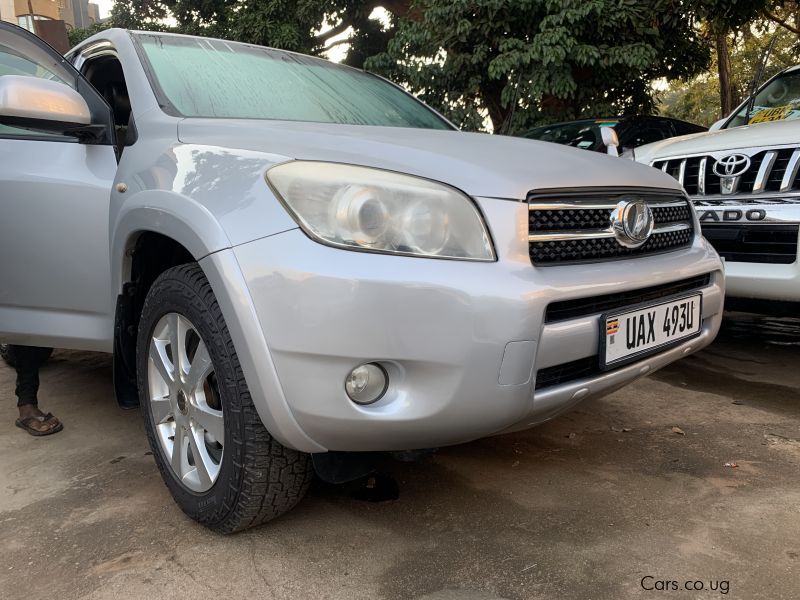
pixel 608 502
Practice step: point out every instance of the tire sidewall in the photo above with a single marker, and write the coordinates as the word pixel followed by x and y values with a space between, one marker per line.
pixel 172 294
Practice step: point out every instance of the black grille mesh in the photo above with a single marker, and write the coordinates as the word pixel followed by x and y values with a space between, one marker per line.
pixel 565 251
pixel 566 219
pixel 672 214
pixel 575 218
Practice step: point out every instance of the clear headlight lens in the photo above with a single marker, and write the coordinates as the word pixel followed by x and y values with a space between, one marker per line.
pixel 381 211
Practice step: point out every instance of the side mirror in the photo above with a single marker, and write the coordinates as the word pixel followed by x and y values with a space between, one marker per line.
pixel 610 140
pixel 718 125
pixel 42 104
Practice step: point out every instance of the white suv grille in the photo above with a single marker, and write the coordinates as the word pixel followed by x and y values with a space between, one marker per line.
pixel 771 170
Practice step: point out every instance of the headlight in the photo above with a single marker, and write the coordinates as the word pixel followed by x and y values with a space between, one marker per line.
pixel 361 208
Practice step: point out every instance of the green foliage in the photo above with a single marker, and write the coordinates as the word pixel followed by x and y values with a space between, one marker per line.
pixel 76 36
pixel 504 65
pixel 142 15
pixel 730 14
pixel 698 100
pixel 288 24
pixel 535 61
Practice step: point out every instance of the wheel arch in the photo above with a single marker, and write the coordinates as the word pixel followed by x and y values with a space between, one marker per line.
pixel 156 233
pixel 173 216
pixel 153 232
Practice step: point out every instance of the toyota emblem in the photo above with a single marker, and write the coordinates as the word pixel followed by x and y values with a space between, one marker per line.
pixel 732 165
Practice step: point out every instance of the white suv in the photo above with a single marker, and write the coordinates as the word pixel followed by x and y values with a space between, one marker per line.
pixel 743 180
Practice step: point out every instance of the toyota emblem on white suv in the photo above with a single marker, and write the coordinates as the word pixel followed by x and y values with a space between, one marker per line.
pixel 730 170
pixel 732 165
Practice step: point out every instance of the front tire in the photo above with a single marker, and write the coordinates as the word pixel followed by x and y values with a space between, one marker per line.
pixel 216 457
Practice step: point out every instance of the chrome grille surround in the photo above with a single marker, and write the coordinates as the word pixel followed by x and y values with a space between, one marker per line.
pixel 574 226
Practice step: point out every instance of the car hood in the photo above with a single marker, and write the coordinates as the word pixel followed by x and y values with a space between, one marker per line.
pixel 479 164
pixel 776 133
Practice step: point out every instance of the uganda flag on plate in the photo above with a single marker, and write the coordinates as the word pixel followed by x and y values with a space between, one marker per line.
pixel 612 326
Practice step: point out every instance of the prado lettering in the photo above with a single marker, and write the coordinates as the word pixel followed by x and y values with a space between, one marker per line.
pixel 732 216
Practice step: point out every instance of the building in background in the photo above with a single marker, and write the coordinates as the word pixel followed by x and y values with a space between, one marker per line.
pixel 76 14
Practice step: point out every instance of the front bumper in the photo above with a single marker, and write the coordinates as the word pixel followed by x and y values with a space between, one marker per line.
pixel 763 281
pixel 766 278
pixel 462 341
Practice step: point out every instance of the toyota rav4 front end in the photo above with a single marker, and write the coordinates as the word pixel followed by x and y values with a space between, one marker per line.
pixel 302 258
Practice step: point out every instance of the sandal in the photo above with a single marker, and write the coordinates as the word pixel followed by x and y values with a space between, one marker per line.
pixel 26 425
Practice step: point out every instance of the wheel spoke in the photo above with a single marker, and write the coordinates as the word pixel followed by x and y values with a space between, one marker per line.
pixel 200 368
pixel 211 420
pixel 202 461
pixel 176 327
pixel 158 357
pixel 178 452
pixel 161 409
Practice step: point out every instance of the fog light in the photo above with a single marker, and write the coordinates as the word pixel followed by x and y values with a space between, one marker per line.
pixel 366 384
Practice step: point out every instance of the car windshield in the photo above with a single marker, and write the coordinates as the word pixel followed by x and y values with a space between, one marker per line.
pixel 779 100
pixel 580 134
pixel 198 77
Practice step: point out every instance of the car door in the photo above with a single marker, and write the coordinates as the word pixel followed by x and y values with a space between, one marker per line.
pixel 55 191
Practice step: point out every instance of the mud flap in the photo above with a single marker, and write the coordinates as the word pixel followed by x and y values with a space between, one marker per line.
pixel 124 362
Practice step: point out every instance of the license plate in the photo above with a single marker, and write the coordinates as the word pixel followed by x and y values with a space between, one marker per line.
pixel 631 335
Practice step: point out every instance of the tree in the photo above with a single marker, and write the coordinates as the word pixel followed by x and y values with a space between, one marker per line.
pixel 534 61
pixel 698 99
pixel 722 18
pixel 298 25
pixel 76 36
pixel 498 64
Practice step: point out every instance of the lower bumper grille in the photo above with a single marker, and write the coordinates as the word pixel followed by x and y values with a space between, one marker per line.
pixel 571 309
pixel 564 373
pixel 582 307
pixel 575 227
pixel 773 244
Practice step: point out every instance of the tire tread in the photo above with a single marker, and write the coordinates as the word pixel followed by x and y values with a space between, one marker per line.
pixel 268 478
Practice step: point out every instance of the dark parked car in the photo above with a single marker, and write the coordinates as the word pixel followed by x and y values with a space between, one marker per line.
pixel 632 131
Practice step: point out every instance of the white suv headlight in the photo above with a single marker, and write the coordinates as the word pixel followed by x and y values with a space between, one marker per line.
pixel 361 208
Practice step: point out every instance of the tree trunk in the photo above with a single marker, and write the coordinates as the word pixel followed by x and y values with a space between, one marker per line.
pixel 726 91
pixel 491 94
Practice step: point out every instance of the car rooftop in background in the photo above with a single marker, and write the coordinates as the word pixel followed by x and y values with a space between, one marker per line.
pixel 632 131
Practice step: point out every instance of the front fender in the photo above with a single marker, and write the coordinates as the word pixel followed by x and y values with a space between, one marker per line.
pixel 175 216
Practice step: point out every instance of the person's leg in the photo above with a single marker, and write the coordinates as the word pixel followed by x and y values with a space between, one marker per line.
pixel 27 363
pixel 28 359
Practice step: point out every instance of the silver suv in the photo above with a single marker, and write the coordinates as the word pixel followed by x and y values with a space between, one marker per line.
pixel 289 257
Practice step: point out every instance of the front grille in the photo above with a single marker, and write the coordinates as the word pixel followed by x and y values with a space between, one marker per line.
pixel 773 244
pixel 566 372
pixel 576 227
pixel 593 305
pixel 775 170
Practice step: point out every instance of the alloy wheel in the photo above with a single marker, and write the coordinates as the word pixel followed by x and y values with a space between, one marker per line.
pixel 185 402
